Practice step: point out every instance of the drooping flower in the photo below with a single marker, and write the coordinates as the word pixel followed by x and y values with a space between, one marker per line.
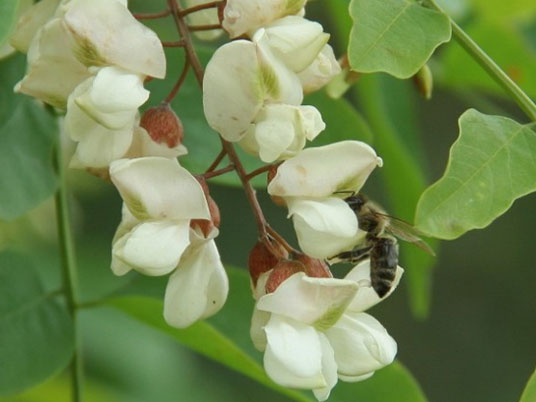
pixel 246 16
pixel 313 331
pixel 158 236
pixel 313 185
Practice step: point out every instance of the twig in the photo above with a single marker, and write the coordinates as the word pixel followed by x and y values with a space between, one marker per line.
pixel 217 161
pixel 152 16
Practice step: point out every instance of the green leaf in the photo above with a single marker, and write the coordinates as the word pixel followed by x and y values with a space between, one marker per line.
pixel 529 394
pixel 505 10
pixel 8 18
pixel 343 121
pixel 36 334
pixel 27 136
pixel 392 383
pixel 394 36
pixel 505 45
pixel 491 164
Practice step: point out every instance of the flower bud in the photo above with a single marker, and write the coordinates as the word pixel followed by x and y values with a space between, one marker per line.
pixel 281 272
pixel 163 125
pixel 314 267
pixel 263 258
pixel 424 81
pixel 206 226
pixel 280 201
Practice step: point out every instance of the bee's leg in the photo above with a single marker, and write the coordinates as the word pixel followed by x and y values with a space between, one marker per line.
pixel 356 255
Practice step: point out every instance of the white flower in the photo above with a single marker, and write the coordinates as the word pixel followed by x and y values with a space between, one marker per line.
pixel 155 237
pixel 245 16
pixel 21 33
pixel 313 184
pixel 102 114
pixel 320 71
pixel 295 41
pixel 313 331
pixel 82 34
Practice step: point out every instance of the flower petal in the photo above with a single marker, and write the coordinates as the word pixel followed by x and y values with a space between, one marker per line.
pixel 144 145
pixel 366 296
pixel 159 188
pixel 30 22
pixel 293 356
pixel 259 319
pixel 314 301
pixel 329 369
pixel 153 248
pixel 324 227
pixel 198 288
pixel 322 171
pixel 361 344
pixel 321 71
pixel 108 34
pixel 128 222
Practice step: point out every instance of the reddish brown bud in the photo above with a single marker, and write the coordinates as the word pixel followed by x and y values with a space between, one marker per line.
pixel 280 201
pixel 314 267
pixel 263 258
pixel 281 272
pixel 163 125
pixel 206 225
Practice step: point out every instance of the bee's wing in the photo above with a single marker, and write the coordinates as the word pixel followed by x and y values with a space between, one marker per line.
pixel 405 231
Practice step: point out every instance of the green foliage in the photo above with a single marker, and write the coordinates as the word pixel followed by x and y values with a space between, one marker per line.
pixel 490 165
pixel 27 136
pixel 505 45
pixel 36 336
pixel 502 10
pixel 8 18
pixel 529 394
pixel 394 36
pixel 225 339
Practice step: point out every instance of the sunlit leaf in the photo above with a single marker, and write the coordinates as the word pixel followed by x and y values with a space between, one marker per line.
pixel 36 336
pixel 529 394
pixel 490 165
pixel 27 136
pixel 394 36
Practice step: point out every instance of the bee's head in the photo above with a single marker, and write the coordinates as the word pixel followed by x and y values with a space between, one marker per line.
pixel 356 202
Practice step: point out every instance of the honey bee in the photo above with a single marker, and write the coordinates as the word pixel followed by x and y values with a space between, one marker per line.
pixel 380 244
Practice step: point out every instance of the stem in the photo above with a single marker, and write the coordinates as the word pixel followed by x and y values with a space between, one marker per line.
pixel 217 161
pixel 209 27
pixel 280 240
pixel 261 170
pixel 219 172
pixel 152 16
pixel 179 83
pixel 200 7
pixel 179 43
pixel 487 63
pixel 68 265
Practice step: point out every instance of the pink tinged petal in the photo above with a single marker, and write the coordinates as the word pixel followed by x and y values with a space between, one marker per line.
pixel 329 369
pixel 366 296
pixel 324 227
pixel 322 171
pixel 153 248
pixel 361 345
pixel 296 41
pixel 198 288
pixel 53 70
pixel 321 71
pixel 159 188
pixel 233 92
pixel 259 319
pixel 313 301
pixel 108 34
pixel 293 356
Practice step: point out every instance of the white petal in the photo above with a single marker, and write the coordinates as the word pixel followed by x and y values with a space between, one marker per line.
pixel 361 344
pixel 153 248
pixel 357 378
pixel 321 71
pixel 143 145
pixel 274 135
pixel 314 301
pixel 324 227
pixel 293 356
pixel 366 296
pixel 259 319
pixel 31 20
pixel 159 188
pixel 53 70
pixel 232 89
pixel 198 288
pixel 296 41
pixel 322 171
pixel 312 122
pixel 107 33
pixel 128 222
pixel 242 16
pixel 329 369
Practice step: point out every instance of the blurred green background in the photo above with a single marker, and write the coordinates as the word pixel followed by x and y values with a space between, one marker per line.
pixel 477 343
